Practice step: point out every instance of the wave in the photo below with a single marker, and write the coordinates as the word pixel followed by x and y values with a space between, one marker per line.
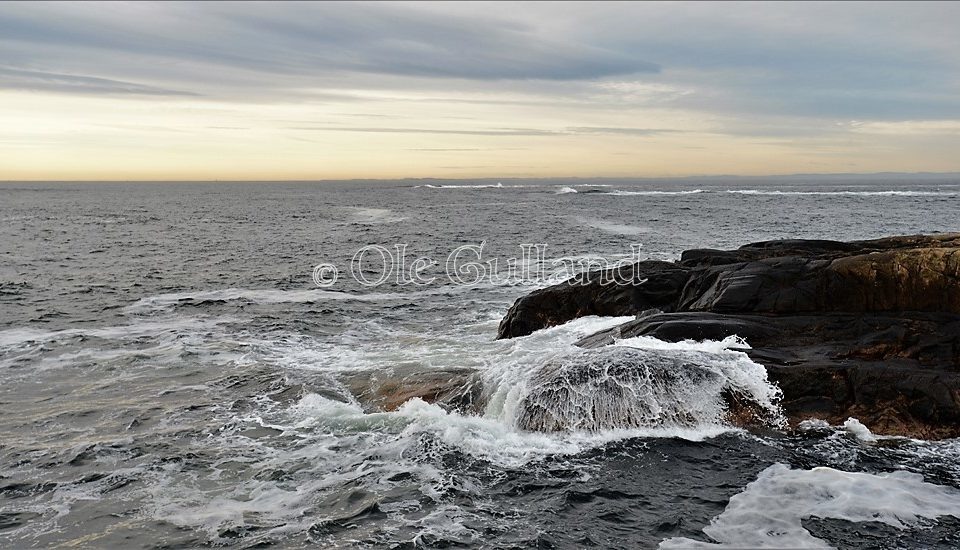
pixel 497 185
pixel 638 384
pixel 899 499
pixel 646 383
pixel 507 370
pixel 565 191
pixel 847 193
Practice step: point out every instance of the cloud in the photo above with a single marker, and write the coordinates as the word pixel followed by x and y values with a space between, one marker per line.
pixel 465 132
pixel 622 131
pixel 303 39
pixel 17 79
pixel 812 60
pixel 735 81
pixel 492 131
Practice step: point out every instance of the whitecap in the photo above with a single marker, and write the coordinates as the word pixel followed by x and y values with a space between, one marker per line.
pixel 614 228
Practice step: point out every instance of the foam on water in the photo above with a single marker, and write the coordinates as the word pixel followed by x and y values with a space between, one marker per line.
pixel 769 512
pixel 642 383
pixel 667 386
pixel 508 369
pixel 497 185
pixel 565 191
pixel 614 228
pixel 861 432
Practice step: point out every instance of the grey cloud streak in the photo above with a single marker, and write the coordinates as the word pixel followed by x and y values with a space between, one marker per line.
pixel 492 131
pixel 18 79
pixel 754 61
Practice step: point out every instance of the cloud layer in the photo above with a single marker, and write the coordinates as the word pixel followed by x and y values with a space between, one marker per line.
pixel 800 82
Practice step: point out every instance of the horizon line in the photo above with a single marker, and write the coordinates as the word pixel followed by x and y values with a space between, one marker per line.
pixel 486 178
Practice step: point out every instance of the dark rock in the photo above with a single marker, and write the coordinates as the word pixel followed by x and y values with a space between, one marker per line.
pixel 624 291
pixel 869 329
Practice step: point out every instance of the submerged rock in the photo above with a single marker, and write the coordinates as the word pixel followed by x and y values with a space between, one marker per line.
pixel 623 387
pixel 866 329
pixel 454 389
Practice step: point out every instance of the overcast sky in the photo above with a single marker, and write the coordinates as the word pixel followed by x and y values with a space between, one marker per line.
pixel 346 90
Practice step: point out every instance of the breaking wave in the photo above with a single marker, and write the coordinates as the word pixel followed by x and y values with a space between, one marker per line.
pixel 643 383
pixel 497 185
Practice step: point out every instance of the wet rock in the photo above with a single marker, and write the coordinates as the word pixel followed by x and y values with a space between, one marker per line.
pixel 619 387
pixel 623 291
pixel 454 389
pixel 869 329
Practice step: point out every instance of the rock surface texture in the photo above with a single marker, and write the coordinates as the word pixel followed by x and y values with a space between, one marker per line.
pixel 869 329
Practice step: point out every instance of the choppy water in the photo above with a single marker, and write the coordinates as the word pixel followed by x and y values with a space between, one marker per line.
pixel 172 378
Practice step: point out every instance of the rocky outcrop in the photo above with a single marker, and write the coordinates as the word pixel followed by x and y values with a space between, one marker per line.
pixel 869 329
pixel 632 288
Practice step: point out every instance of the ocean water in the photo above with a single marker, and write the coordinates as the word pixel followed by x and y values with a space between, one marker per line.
pixel 172 377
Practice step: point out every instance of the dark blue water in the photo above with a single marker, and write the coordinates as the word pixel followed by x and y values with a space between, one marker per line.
pixel 172 377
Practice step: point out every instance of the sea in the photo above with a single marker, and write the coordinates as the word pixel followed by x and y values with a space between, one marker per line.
pixel 180 364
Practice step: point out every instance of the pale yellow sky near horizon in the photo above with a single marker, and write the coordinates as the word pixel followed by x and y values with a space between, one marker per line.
pixel 243 92
pixel 47 136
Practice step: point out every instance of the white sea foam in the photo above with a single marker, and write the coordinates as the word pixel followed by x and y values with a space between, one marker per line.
pixel 643 383
pixel 497 185
pixel 710 346
pixel 861 432
pixel 485 437
pixel 528 389
pixel 506 367
pixel 614 228
pixel 768 513
pixel 565 190
pixel 738 372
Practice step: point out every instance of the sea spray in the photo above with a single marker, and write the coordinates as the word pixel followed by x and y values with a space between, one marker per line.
pixel 637 383
pixel 623 387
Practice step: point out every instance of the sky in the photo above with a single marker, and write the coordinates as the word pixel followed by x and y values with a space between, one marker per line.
pixel 303 91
